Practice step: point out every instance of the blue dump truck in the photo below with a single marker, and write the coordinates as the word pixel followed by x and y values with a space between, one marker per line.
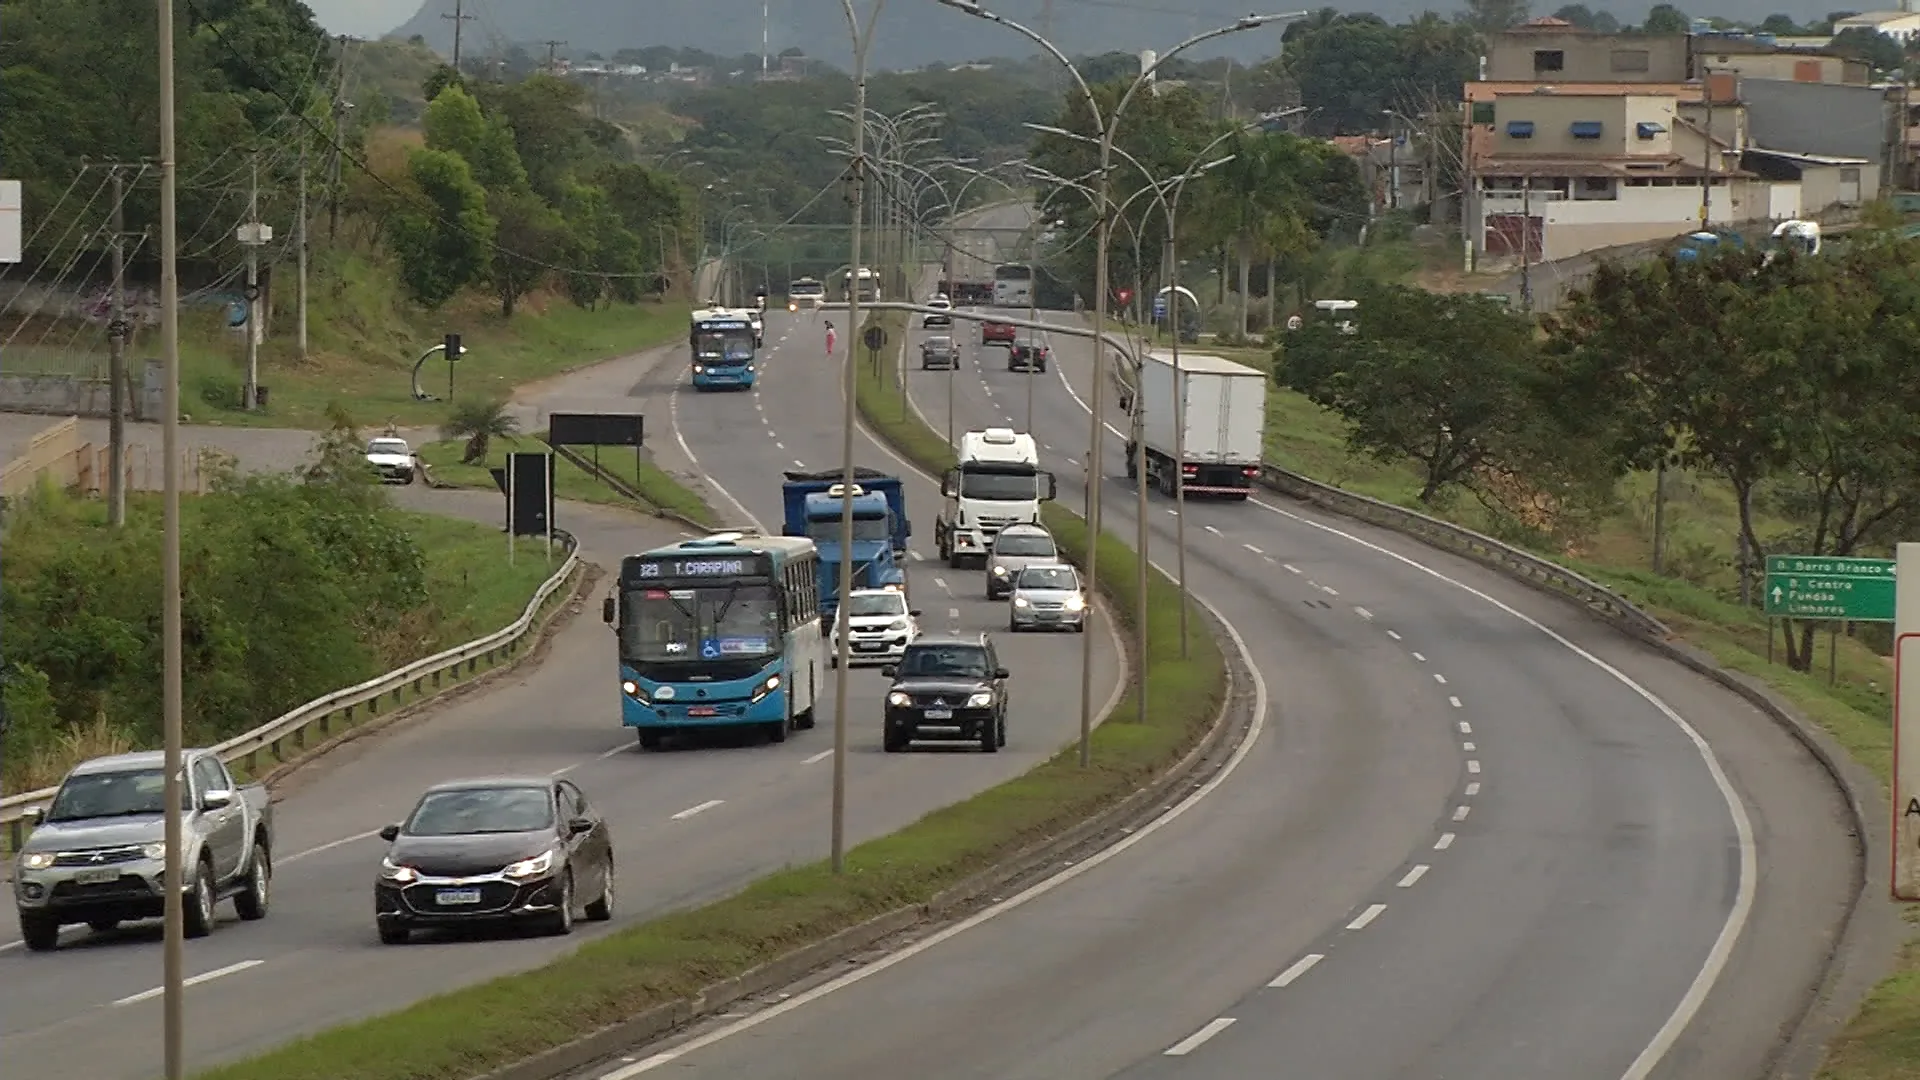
pixel 880 528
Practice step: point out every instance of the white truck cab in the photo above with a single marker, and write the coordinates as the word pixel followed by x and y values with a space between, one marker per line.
pixel 998 482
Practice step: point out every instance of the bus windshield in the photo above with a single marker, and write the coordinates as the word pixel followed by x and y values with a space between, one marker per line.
pixel 733 345
pixel 806 287
pixel 735 621
pixel 827 530
pixel 1013 272
pixel 998 485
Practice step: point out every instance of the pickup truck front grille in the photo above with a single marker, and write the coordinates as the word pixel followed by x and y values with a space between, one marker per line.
pixel 120 888
pixel 98 856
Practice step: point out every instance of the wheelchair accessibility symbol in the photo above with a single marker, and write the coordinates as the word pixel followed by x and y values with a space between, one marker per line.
pixel 710 650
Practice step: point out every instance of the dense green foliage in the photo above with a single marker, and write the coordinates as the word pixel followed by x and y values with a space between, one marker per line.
pixel 1789 378
pixel 293 586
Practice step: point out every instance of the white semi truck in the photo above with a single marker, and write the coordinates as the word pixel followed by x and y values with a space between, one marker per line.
pixel 1225 411
pixel 998 482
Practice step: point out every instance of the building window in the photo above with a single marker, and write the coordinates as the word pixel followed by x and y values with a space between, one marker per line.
pixel 1483 112
pixel 1849 176
pixel 1545 60
pixel 1646 130
pixel 1585 129
pixel 1595 188
pixel 1625 61
pixel 1519 129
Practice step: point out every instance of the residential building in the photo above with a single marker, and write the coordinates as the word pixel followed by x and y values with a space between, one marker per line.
pixel 1901 26
pixel 1550 50
pixel 1808 185
pixel 1762 57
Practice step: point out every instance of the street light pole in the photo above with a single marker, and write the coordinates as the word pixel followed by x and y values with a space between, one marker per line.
pixel 173 960
pixel 862 39
pixel 1109 127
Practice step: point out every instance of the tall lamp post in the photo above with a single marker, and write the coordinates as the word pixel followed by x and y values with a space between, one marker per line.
pixel 1108 123
pixel 1170 209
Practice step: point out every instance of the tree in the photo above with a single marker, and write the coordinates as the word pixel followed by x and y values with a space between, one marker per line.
pixel 1666 19
pixel 1446 380
pixel 1493 16
pixel 480 422
pixel 1873 46
pixel 1781 25
pixel 526 230
pixel 454 123
pixel 443 237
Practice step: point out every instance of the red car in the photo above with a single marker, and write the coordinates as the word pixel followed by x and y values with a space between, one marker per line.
pixel 996 333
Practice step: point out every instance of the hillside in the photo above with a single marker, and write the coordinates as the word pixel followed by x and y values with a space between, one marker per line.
pixel 913 33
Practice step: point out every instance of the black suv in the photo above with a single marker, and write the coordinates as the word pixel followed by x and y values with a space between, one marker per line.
pixel 1027 356
pixel 947 687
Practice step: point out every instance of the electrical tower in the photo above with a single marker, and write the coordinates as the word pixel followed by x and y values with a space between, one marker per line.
pixel 553 65
pixel 460 18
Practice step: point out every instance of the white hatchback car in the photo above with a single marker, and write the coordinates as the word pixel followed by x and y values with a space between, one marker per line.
pixel 882 626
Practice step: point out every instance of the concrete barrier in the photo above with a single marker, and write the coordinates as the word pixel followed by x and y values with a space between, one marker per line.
pixel 82 395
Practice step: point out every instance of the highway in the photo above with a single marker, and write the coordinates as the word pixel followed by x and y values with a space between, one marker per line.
pixel 689 825
pixel 1477 834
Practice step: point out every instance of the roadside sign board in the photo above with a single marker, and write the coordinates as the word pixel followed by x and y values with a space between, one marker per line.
pixel 1829 588
pixel 1906 767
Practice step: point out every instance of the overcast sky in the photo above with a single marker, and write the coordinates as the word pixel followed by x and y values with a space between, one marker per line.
pixel 361 18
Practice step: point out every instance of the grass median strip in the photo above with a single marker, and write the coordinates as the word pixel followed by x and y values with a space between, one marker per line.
pixel 655 485
pixel 468 1031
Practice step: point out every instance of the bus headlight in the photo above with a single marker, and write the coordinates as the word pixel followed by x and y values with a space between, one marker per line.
pixel 632 689
pixel 791 306
pixel 765 688
pixel 698 370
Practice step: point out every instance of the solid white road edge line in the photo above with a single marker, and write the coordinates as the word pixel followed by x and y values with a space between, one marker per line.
pixel 673 421
pixel 209 976
pixel 1033 892
pixel 1194 1041
pixel 1300 967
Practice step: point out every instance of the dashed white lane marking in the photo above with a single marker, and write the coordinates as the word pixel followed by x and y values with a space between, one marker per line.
pixel 1393 635
pixel 328 846
pixel 701 809
pixel 953 613
pixel 1460 812
pixel 1253 549
pixel 1292 569
pixel 601 756
pixel 819 757
pixel 1413 876
pixel 798 464
pixel 209 976
pixel 1466 728
pixel 1070 461
pixel 1213 530
pixel 1467 746
pixel 1454 701
pixel 1300 967
pixel 1420 657
pixel 771 434
pixel 916 556
pixel 1473 789
pixel 1330 590
pixel 1445 842
pixel 942 582
pixel 1194 1041
pixel 1363 613
pixel 1373 912
pixel 1473 767
pixel 1439 678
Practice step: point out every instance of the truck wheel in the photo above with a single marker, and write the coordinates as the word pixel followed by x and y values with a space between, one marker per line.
pixel 199 913
pixel 251 901
pixel 40 933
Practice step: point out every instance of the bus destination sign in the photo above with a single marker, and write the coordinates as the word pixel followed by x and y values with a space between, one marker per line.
pixel 681 568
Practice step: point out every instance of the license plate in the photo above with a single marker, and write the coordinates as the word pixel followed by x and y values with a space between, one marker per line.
pixel 703 710
pixel 939 714
pixel 96 877
pixel 869 646
pixel 457 896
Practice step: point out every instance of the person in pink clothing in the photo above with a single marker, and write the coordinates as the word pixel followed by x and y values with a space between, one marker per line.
pixel 831 338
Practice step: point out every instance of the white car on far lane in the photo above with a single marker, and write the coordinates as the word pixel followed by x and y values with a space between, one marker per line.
pixel 883 626
pixel 392 459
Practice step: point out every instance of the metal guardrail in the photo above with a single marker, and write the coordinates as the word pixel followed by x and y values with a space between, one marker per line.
pixel 316 718
pixel 1523 565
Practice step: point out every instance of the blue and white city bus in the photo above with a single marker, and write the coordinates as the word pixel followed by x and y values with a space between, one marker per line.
pixel 723 349
pixel 722 631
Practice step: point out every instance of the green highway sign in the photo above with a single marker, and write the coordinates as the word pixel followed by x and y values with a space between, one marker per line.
pixel 1829 587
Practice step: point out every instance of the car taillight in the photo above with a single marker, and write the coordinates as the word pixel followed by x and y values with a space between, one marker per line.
pixel 1190 470
pixel 1250 471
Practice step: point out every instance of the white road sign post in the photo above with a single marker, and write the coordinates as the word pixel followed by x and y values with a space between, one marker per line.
pixel 1906 724
pixel 10 223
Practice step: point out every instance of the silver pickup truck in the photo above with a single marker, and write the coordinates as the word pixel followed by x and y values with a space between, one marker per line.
pixel 98 852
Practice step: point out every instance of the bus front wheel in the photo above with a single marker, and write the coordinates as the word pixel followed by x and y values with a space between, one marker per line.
pixel 777 731
pixel 651 738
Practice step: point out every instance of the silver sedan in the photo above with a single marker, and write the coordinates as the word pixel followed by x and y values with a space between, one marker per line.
pixel 1048 597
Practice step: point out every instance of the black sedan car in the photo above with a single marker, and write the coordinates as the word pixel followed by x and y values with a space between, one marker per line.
pixel 1027 356
pixel 950 688
pixel 499 851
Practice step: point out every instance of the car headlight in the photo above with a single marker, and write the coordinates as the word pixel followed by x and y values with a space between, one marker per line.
pixel 633 690
pixel 791 306
pixel 899 700
pixel 36 860
pixel 1020 601
pixel 698 370
pixel 765 688
pixel 1076 602
pixel 999 571
pixel 980 700
pixel 155 851
pixel 533 867
pixel 897 624
pixel 396 873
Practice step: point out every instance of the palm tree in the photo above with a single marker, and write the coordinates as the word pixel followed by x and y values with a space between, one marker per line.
pixel 480 422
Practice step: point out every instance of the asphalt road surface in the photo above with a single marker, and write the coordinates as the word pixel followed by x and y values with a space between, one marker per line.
pixel 689 825
pixel 1478 835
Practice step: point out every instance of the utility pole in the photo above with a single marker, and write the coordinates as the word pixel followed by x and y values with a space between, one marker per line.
pixel 459 17
pixel 253 235
pixel 117 362
pixel 300 254
pixel 1526 243
pixel 553 65
pixel 766 27
pixel 333 163
pixel 1706 181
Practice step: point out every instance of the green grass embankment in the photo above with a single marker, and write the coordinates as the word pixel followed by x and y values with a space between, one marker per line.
pixel 656 486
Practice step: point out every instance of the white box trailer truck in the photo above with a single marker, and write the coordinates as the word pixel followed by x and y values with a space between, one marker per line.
pixel 1224 406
